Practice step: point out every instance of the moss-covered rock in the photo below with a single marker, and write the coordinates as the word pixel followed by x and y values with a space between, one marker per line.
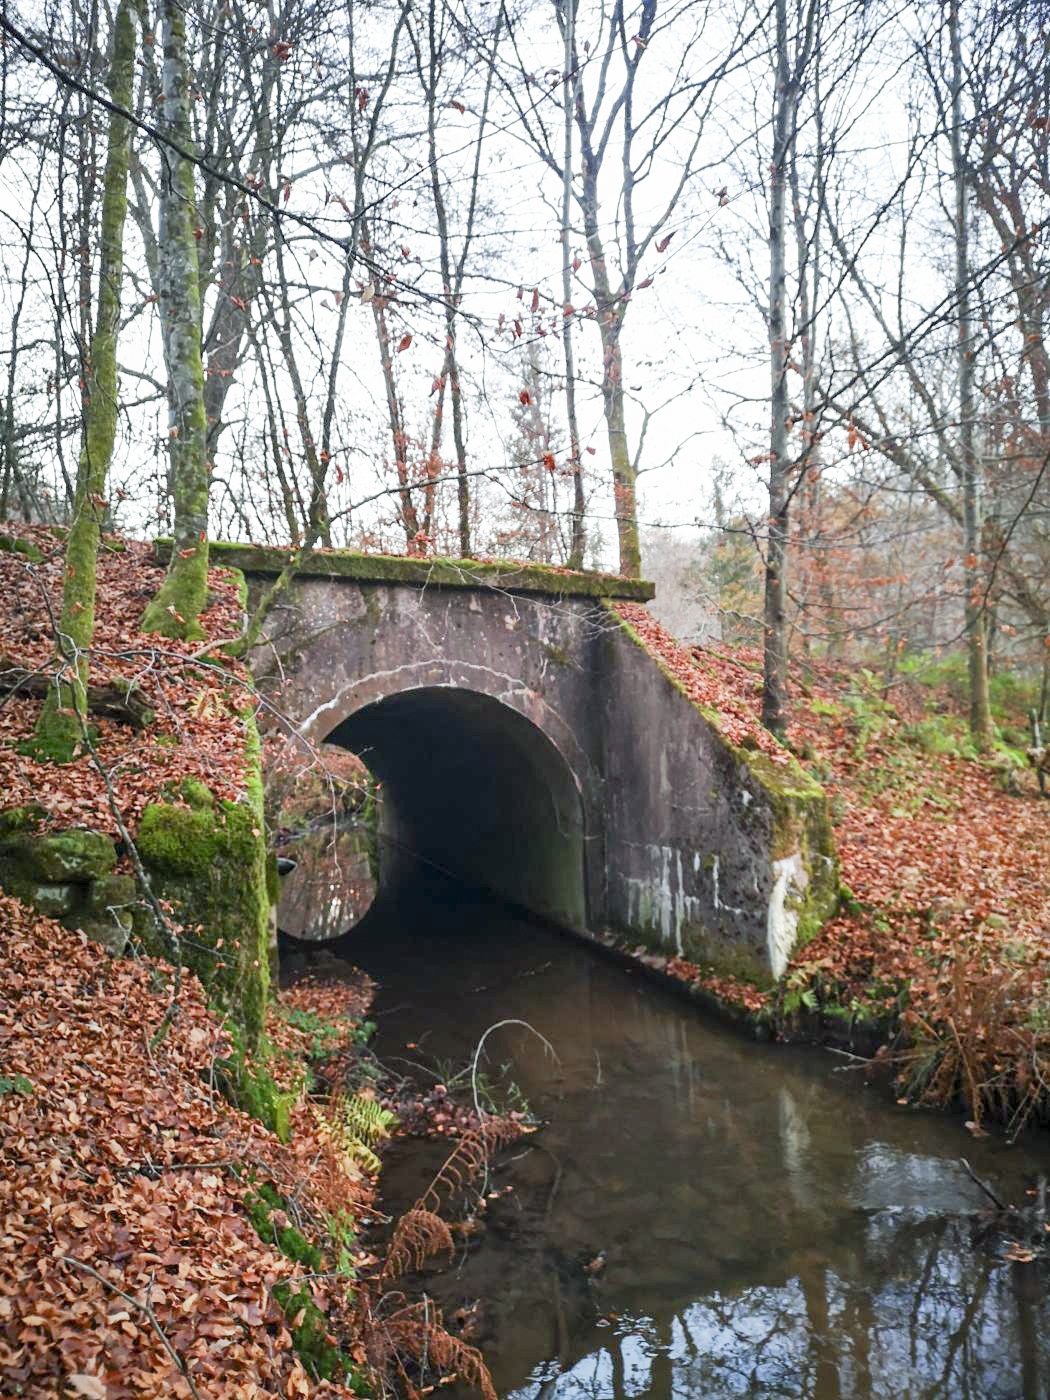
pixel 91 898
pixel 16 820
pixel 197 794
pixel 54 900
pixel 209 861
pixel 12 544
pixel 61 856
pixel 116 892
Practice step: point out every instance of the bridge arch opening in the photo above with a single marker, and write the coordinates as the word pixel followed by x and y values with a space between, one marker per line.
pixel 472 789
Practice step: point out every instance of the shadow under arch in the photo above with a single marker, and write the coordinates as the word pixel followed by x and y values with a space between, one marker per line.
pixel 474 790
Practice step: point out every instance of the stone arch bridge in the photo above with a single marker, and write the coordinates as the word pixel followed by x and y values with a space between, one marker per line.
pixel 527 742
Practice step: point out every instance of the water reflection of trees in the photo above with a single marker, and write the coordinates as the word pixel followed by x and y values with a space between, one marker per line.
pixel 919 1315
pixel 764 1229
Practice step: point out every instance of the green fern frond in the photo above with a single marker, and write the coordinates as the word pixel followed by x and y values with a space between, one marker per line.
pixel 361 1152
pixel 365 1120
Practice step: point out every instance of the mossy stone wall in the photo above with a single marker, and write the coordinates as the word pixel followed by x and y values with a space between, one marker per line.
pixel 209 859
pixel 66 875
pixel 713 850
pixel 263 561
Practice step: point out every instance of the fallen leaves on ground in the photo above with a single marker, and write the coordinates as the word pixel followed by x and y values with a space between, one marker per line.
pixel 200 704
pixel 121 1213
pixel 737 719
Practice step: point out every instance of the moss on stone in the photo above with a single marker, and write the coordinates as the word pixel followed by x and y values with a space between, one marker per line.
pixel 52 899
pixel 111 892
pixel 60 856
pixel 57 734
pixel 196 793
pixel 19 819
pixel 447 573
pixel 210 861
pixel 263 1205
pixel 739 962
pixel 310 1328
pixel 245 1080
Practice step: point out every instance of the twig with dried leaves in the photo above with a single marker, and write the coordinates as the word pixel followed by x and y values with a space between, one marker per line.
pixel 144 1308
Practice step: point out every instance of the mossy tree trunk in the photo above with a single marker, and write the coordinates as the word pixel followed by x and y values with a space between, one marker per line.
pixel 181 597
pixel 976 598
pixel 58 729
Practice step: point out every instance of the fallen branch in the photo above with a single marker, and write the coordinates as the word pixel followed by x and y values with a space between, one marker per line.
pixel 143 1307
pixel 1000 1205
pixel 117 700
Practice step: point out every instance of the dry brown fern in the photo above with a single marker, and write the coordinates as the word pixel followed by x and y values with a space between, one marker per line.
pixel 468 1159
pixel 416 1334
pixel 418 1235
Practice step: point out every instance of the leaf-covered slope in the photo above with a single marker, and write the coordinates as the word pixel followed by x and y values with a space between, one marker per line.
pixel 122 1184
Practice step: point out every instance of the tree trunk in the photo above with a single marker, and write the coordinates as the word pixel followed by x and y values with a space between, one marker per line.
pixel 414 543
pixel 624 492
pixel 174 612
pixel 975 614
pixel 774 692
pixel 611 308
pixel 429 73
pixel 579 541
pixel 59 727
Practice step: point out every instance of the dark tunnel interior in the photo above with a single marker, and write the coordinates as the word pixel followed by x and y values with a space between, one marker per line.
pixel 472 789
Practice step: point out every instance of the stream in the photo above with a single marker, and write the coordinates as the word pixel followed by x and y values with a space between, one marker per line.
pixel 700 1215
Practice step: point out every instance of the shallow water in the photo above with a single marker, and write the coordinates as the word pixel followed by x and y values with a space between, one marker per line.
pixel 701 1215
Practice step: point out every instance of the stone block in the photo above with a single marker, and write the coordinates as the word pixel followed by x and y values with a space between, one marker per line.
pixel 50 898
pixel 112 933
pixel 111 891
pixel 63 856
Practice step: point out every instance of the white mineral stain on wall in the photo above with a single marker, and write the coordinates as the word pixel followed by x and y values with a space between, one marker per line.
pixel 789 875
pixel 658 901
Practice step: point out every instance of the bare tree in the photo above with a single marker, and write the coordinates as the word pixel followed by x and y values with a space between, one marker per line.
pixel 627 136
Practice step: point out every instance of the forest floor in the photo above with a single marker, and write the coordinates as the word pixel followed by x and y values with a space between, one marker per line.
pixel 142 1215
pixel 941 945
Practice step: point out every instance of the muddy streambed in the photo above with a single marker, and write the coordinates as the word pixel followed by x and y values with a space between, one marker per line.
pixel 700 1216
